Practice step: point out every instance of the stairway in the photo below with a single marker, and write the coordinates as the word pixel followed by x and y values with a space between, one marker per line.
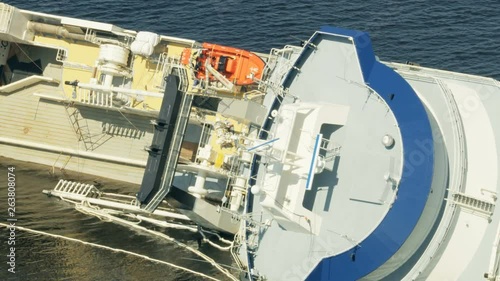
pixel 174 152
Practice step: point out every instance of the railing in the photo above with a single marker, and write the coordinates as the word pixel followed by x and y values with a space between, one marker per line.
pixel 102 99
pixel 72 187
pixel 456 183
pixel 170 65
pixel 238 179
pixel 460 168
pixel 440 73
pixel 493 271
pixel 475 205
pixel 278 65
pixel 91 36
pixel 163 68
pixel 184 80
pixel 206 132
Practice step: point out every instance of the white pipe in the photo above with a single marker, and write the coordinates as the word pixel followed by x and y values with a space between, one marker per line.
pixel 54 29
pixel 236 200
pixel 199 186
pixel 114 205
pixel 200 180
pixel 25 82
pixel 73 152
pixel 108 80
pixel 167 224
pixel 125 91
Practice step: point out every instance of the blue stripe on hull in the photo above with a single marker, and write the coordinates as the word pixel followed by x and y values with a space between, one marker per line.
pixel 416 180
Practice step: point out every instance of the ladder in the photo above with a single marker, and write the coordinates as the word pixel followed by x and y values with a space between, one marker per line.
pixel 80 126
pixel 475 205
pixel 76 188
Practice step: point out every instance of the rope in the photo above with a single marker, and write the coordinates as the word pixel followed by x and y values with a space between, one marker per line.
pixel 119 111
pixel 97 211
pixel 111 249
pixel 205 239
pixel 218 236
pixel 101 215
pixel 21 49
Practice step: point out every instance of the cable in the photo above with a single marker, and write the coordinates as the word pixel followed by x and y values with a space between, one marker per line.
pixel 21 49
pixel 108 217
pixel 109 248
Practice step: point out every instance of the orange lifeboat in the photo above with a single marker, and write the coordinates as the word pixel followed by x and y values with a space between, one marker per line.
pixel 237 65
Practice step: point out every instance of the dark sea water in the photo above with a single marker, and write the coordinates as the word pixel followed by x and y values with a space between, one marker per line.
pixel 462 35
pixel 41 257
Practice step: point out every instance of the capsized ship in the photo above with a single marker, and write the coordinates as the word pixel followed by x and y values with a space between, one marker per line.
pixel 323 162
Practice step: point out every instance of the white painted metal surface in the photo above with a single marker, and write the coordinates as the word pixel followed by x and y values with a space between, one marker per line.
pixel 330 169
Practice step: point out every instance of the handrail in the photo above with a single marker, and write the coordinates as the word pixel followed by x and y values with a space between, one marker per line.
pixel 442 73
pixel 25 82
pixel 174 152
pixel 103 99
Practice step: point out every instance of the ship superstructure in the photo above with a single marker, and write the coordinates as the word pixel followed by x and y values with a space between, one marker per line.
pixel 376 172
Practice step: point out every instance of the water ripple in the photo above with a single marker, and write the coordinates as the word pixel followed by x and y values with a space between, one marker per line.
pixel 434 34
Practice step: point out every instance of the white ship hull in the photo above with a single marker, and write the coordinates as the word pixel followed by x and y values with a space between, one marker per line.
pixel 325 163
